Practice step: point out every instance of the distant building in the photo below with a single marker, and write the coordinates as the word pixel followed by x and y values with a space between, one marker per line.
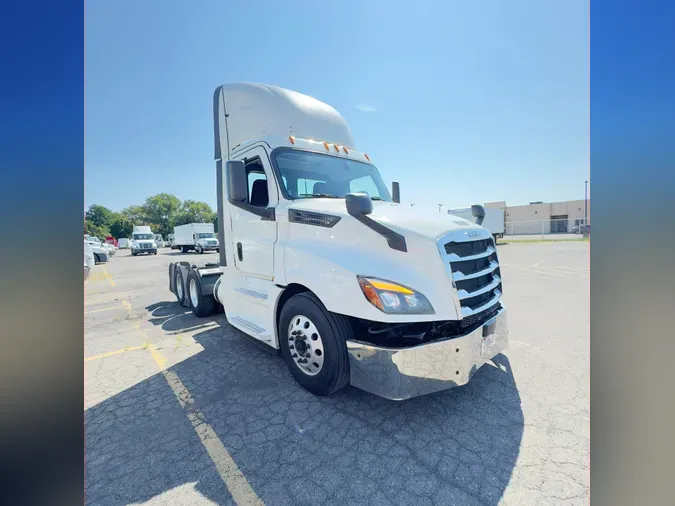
pixel 546 218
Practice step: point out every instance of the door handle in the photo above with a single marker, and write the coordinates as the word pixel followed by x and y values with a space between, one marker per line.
pixel 240 253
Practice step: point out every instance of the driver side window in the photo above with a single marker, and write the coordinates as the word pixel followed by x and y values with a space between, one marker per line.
pixel 257 185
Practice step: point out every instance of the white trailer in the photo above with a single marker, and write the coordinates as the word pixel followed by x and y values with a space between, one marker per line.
pixel 318 260
pixel 124 243
pixel 143 241
pixel 199 237
pixel 493 221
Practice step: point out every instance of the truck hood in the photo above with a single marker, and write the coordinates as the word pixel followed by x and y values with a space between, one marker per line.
pixel 400 218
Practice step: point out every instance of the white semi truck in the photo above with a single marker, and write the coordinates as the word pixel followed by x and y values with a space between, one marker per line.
pixel 319 261
pixel 143 241
pixel 199 237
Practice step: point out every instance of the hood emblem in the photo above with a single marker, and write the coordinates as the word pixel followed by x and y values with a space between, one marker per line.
pixel 471 233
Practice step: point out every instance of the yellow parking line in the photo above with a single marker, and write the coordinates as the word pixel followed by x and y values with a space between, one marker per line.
pixel 557 270
pixel 229 472
pixel 113 353
pixel 538 270
pixel 107 276
pixel 104 309
pixel 574 269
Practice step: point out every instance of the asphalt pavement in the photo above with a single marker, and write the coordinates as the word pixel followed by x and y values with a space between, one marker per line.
pixel 181 410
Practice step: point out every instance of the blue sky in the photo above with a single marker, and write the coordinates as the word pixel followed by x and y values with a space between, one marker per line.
pixel 462 102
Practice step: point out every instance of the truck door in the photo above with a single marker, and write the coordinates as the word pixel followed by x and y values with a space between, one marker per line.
pixel 254 229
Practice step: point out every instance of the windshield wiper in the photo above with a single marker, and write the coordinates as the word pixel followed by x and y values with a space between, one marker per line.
pixel 319 195
pixel 376 198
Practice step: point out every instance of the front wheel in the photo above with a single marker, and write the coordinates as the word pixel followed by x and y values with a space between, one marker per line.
pixel 313 344
pixel 200 250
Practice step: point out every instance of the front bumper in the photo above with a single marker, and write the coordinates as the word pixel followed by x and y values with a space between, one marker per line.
pixel 403 373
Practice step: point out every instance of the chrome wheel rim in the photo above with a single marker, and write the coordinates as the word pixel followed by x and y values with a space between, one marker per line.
pixel 193 293
pixel 305 345
pixel 179 287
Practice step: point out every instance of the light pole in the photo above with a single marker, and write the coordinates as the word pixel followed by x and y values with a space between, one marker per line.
pixel 585 208
pixel 412 205
pixel 439 207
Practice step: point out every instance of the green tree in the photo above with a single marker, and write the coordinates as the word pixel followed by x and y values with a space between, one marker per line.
pixel 135 214
pixel 161 210
pixel 192 211
pixel 99 216
pixel 121 227
pixel 95 230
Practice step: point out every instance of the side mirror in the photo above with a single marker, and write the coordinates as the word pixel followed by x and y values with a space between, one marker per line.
pixel 237 187
pixel 396 192
pixel 359 203
pixel 478 212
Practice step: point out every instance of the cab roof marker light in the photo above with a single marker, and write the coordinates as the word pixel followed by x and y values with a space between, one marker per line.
pixel 337 148
pixel 325 145
pixel 344 148
pixel 367 157
pixel 292 139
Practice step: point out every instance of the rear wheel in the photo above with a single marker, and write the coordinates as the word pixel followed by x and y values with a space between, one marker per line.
pixel 202 305
pixel 180 290
pixel 313 343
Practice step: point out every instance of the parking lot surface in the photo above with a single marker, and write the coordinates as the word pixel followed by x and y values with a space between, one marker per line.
pixel 181 410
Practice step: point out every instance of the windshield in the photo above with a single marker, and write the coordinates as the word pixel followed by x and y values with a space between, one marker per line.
pixel 94 239
pixel 206 236
pixel 310 175
pixel 142 237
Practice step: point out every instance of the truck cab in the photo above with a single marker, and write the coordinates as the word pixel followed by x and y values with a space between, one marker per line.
pixel 143 241
pixel 319 260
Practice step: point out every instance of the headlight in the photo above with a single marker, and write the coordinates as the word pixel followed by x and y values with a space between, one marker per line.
pixel 393 298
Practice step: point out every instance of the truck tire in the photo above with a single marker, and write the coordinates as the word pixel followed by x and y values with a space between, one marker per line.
pixel 202 305
pixel 313 344
pixel 200 250
pixel 180 287
pixel 97 260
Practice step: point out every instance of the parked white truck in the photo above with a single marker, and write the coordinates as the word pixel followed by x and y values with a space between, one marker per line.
pixel 493 221
pixel 143 241
pixel 318 260
pixel 199 237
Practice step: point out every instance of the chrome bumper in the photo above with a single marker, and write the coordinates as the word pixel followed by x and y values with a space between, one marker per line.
pixel 403 373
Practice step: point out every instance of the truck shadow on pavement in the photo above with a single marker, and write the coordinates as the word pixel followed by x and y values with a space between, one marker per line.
pixel 453 447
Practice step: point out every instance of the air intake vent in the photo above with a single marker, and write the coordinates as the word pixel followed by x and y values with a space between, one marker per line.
pixel 312 218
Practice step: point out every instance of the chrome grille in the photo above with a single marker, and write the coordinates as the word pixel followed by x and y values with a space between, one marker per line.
pixel 475 272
